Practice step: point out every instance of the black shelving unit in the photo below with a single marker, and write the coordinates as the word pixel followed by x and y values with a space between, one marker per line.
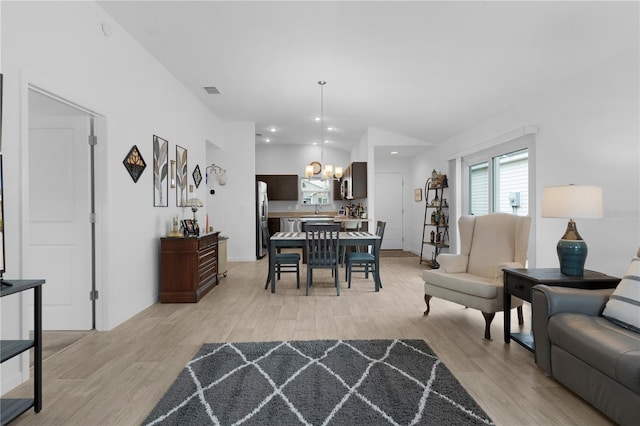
pixel 435 230
pixel 10 408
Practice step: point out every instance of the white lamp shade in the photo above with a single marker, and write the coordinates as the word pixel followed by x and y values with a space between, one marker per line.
pixel 195 202
pixel 572 201
pixel 308 171
pixel 338 172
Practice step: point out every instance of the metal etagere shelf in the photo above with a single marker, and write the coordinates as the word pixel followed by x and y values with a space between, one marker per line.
pixel 435 229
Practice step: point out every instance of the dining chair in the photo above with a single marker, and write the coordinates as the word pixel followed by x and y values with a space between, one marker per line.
pixel 364 260
pixel 322 247
pixel 349 225
pixel 283 262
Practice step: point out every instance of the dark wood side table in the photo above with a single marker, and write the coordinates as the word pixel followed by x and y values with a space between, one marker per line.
pixel 12 408
pixel 518 282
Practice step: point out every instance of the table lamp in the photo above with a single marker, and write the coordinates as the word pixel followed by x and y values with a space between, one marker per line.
pixel 194 203
pixel 572 202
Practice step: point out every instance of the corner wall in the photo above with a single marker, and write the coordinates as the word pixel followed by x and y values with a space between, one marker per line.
pixel 60 46
pixel 589 133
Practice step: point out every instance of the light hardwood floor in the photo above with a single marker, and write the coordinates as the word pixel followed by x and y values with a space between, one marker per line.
pixel 117 377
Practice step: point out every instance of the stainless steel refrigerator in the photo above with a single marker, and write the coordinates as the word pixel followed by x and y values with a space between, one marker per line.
pixel 262 218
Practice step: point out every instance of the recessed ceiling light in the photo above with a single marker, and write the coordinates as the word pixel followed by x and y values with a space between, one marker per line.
pixel 394 152
pixel 326 141
pixel 331 129
pixel 267 140
pixel 317 119
pixel 272 129
pixel 314 143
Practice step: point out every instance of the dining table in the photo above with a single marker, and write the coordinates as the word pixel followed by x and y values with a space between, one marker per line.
pixel 281 240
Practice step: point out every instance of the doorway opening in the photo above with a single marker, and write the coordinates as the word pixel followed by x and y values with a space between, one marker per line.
pixel 59 211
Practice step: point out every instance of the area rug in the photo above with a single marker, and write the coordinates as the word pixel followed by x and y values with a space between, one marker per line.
pixel 397 253
pixel 324 382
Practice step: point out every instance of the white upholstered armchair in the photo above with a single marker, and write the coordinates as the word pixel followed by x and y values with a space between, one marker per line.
pixel 473 278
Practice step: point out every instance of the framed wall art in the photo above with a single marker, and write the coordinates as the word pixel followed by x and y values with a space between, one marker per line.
pixel 160 172
pixel 134 163
pixel 181 176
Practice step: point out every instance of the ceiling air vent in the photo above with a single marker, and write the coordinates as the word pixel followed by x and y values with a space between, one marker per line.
pixel 212 90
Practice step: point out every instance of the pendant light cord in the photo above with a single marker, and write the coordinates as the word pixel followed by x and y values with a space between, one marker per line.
pixel 322 83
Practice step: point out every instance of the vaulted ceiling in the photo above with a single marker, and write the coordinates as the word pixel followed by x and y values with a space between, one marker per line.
pixel 424 69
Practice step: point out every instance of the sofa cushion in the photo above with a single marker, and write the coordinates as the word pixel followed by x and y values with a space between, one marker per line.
pixel 605 346
pixel 463 283
pixel 623 306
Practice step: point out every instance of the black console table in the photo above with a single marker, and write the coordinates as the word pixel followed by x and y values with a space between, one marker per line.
pixel 518 282
pixel 12 408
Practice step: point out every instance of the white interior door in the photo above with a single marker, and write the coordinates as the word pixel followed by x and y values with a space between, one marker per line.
pixel 58 246
pixel 389 208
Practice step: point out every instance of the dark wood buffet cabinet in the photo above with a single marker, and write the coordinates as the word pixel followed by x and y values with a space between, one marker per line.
pixel 188 267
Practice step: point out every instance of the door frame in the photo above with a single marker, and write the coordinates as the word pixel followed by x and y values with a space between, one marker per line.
pixel 402 192
pixel 44 87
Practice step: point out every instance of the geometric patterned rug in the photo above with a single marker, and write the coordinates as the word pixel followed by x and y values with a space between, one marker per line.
pixel 323 382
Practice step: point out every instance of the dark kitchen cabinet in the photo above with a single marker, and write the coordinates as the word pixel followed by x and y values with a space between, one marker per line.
pixel 281 187
pixel 273 223
pixel 337 193
pixel 354 181
pixel 359 180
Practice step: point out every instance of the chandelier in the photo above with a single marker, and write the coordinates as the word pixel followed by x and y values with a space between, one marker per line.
pixel 328 172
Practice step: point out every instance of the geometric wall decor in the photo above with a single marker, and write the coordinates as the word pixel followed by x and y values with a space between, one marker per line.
pixel 197 176
pixel 134 163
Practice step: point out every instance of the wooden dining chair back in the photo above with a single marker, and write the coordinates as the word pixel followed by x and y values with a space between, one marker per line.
pixel 364 262
pixel 283 262
pixel 322 245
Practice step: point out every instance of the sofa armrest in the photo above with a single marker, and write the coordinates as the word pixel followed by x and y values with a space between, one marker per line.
pixel 453 263
pixel 547 301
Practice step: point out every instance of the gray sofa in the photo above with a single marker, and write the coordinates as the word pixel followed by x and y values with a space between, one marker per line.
pixel 587 353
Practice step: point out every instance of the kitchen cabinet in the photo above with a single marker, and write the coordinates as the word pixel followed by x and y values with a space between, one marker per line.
pixel 354 181
pixel 273 223
pixel 188 268
pixel 281 187
pixel 337 192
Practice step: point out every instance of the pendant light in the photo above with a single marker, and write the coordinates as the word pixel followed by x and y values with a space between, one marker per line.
pixel 328 172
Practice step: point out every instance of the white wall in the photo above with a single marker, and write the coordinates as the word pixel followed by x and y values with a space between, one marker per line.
pixel 232 208
pixel 60 47
pixel 589 133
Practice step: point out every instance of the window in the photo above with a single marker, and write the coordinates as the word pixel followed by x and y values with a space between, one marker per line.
pixel 511 174
pixel 500 184
pixel 315 191
pixel 479 188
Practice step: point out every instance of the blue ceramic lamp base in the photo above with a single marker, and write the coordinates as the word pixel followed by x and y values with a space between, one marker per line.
pixel 572 254
pixel 572 251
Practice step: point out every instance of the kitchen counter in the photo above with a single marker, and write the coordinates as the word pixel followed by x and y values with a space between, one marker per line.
pixel 309 216
pixel 298 213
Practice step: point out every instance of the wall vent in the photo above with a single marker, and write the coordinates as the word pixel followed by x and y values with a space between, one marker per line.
pixel 212 90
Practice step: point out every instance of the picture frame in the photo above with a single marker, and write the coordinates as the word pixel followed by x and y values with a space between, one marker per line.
pixel 181 176
pixel 417 194
pixel 190 227
pixel 160 172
